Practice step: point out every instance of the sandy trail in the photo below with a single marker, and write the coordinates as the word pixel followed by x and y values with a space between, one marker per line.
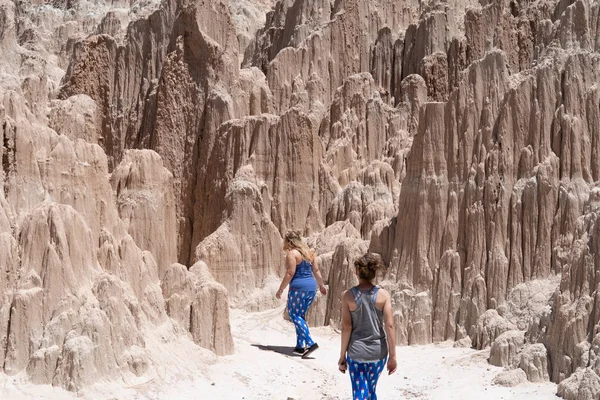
pixel 264 367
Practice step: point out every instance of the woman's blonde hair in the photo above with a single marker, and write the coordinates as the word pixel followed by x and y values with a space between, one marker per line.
pixel 293 240
pixel 368 265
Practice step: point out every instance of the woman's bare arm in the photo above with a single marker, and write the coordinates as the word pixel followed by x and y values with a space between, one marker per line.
pixel 318 276
pixel 346 330
pixel 390 330
pixel 290 270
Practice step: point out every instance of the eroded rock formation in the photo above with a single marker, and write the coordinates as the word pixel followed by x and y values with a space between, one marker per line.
pixel 88 228
pixel 457 138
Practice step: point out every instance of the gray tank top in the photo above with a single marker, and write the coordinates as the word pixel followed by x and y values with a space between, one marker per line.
pixel 367 340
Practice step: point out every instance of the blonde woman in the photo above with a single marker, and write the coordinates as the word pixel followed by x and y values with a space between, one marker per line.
pixel 301 271
pixel 368 333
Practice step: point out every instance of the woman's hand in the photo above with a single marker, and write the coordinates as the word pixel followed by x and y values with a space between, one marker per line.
pixel 342 365
pixel 278 294
pixel 323 290
pixel 391 365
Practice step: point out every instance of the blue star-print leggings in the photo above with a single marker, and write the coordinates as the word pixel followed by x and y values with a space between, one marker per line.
pixel 364 377
pixel 297 305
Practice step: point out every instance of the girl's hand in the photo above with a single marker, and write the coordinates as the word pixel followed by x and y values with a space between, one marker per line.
pixel 278 294
pixel 342 365
pixel 323 290
pixel 391 365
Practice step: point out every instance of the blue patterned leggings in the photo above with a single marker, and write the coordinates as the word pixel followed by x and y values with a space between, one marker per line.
pixel 364 377
pixel 297 305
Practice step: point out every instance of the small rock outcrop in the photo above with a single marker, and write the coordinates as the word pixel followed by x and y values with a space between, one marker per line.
pixel 199 304
pixel 510 378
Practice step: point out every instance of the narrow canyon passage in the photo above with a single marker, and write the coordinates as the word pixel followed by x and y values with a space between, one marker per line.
pixel 154 153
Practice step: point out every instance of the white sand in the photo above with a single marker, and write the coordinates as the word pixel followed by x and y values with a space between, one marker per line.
pixel 259 370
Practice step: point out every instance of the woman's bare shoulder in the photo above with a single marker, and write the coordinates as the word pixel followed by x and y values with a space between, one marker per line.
pixel 383 295
pixel 347 295
pixel 293 253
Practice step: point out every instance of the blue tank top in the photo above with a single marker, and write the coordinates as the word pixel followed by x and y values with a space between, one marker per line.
pixel 303 279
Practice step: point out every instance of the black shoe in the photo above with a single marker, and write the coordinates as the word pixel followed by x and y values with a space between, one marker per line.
pixel 310 350
pixel 300 350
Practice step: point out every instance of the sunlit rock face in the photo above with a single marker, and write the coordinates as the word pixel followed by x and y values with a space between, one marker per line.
pixel 153 156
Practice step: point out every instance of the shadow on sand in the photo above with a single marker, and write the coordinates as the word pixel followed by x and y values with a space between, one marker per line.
pixel 285 350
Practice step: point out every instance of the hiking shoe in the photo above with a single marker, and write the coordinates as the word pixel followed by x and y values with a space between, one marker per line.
pixel 308 351
pixel 300 350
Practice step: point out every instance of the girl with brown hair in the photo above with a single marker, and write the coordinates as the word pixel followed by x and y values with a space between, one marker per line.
pixel 368 333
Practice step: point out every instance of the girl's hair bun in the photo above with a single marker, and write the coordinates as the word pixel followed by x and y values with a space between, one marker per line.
pixel 368 265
